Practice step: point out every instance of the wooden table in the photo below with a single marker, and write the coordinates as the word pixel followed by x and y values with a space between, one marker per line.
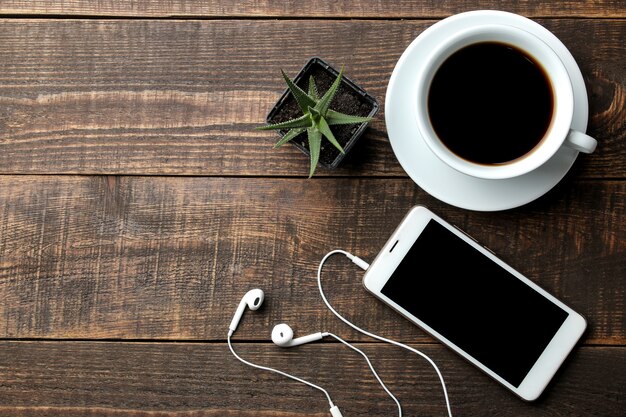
pixel 138 205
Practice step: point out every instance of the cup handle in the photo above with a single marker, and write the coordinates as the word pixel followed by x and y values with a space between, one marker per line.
pixel 580 141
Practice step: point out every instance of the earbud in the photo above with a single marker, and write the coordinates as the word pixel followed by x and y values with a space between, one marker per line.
pixel 282 335
pixel 253 299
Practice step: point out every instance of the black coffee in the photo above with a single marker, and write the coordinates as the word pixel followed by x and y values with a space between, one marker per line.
pixel 490 103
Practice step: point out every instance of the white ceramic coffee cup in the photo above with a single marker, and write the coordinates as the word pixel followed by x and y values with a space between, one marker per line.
pixel 558 134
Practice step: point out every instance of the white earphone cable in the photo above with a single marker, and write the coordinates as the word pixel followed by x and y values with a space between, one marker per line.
pixel 382 384
pixel 364 265
pixel 265 368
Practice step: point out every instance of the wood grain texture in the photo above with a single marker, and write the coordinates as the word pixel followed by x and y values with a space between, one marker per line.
pixel 116 291
pixel 170 257
pixel 182 97
pixel 315 8
pixel 205 380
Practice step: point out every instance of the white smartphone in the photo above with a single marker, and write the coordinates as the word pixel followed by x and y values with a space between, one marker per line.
pixel 457 290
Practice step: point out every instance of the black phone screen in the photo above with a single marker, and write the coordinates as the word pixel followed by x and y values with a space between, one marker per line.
pixel 474 303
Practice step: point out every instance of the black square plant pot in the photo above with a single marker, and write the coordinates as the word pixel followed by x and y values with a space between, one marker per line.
pixel 349 99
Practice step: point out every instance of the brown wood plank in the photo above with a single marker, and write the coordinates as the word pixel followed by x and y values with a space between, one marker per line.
pixel 194 380
pixel 182 97
pixel 316 8
pixel 170 258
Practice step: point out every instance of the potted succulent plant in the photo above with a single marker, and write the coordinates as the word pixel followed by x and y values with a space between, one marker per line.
pixel 322 113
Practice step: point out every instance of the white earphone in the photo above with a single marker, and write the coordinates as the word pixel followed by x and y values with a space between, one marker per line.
pixel 282 335
pixel 253 300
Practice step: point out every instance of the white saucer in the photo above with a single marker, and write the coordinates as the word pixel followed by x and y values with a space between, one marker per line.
pixel 437 178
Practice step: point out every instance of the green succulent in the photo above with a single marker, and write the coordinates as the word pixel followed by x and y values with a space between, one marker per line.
pixel 316 119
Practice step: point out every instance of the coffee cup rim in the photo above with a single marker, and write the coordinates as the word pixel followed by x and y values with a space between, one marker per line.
pixel 557 76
